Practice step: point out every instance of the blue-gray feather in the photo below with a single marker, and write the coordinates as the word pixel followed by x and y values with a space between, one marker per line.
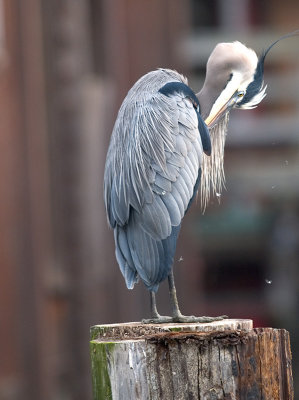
pixel 152 173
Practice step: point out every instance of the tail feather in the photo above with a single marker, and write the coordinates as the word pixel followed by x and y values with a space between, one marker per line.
pixel 141 256
pixel 124 258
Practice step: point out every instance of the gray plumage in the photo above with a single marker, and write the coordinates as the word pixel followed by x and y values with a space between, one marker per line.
pixel 156 158
pixel 151 169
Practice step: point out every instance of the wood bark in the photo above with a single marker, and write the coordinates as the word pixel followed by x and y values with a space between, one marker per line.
pixel 225 360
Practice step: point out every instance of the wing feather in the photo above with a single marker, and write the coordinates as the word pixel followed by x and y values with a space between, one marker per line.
pixel 151 171
pixel 180 145
pixel 178 199
pixel 163 182
pixel 176 160
pixel 124 257
pixel 173 208
pixel 188 176
pixel 192 168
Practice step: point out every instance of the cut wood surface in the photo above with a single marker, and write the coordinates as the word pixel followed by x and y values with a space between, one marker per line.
pixel 225 360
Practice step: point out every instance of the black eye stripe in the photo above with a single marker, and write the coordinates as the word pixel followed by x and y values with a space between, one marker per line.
pixel 229 79
pixel 256 85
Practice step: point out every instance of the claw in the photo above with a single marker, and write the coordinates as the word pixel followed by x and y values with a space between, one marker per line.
pixel 158 320
pixel 182 319
pixel 192 319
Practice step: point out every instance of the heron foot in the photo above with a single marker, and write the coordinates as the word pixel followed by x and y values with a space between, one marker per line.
pixel 159 319
pixel 191 318
pixel 182 319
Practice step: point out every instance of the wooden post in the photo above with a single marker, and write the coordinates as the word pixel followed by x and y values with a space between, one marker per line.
pixel 225 360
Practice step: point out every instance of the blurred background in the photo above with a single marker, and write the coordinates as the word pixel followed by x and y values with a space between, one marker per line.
pixel 65 67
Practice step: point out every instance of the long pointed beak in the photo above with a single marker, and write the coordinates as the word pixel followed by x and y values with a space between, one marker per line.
pixel 220 107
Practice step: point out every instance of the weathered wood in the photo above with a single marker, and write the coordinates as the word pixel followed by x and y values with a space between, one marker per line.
pixel 227 360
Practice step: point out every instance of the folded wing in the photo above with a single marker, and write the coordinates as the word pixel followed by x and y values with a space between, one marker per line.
pixel 151 175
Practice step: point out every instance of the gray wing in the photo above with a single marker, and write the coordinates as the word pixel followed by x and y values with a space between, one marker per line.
pixel 151 170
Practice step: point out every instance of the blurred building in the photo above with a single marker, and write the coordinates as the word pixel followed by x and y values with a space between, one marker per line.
pixel 65 67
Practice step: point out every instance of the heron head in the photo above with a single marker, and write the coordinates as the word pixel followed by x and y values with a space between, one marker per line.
pixel 231 73
pixel 234 78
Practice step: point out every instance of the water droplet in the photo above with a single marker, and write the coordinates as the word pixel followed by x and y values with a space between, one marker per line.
pixel 180 259
pixel 163 193
pixel 273 187
pixel 268 281
pixel 218 194
pixel 286 162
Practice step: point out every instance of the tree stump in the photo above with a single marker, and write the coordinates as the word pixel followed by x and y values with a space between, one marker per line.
pixel 227 360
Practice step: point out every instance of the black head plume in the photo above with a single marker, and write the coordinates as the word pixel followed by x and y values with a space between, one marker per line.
pixel 256 86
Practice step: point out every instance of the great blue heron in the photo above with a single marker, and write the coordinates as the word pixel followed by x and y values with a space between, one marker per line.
pixel 156 161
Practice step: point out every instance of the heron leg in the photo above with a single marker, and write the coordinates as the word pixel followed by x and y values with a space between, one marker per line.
pixel 176 313
pixel 177 316
pixel 156 318
pixel 154 310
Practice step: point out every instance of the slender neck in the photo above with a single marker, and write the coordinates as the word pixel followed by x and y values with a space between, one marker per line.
pixel 205 102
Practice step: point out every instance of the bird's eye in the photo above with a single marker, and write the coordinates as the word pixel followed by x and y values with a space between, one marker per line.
pixel 241 94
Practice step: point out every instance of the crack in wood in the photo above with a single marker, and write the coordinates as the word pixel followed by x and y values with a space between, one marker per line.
pixel 224 338
pixel 184 365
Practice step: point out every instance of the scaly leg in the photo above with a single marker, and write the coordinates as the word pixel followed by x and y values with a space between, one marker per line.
pixel 156 317
pixel 177 316
pixel 176 313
